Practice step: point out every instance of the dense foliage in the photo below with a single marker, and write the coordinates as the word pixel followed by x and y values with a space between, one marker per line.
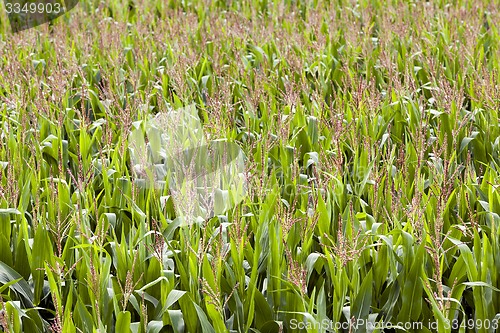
pixel 372 140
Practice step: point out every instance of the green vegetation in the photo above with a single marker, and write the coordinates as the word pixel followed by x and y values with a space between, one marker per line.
pixel 372 136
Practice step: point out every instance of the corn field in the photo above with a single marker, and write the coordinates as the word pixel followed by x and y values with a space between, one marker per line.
pixel 370 136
